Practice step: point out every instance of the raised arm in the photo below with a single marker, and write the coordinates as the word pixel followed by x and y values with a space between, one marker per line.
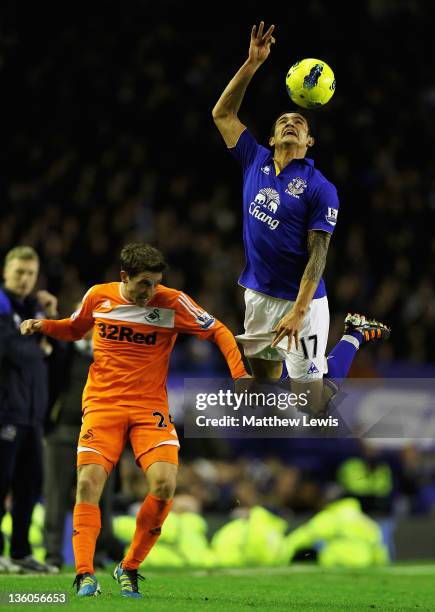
pixel 225 113
pixel 291 324
pixel 65 329
pixel 73 328
pixel 192 319
pixel 227 345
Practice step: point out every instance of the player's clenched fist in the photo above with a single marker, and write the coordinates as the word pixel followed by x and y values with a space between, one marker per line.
pixel 31 326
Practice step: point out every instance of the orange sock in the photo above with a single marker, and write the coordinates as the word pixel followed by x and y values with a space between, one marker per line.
pixel 149 520
pixel 86 527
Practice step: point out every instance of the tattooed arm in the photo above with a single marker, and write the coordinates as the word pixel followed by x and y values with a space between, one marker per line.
pixel 318 243
pixel 291 323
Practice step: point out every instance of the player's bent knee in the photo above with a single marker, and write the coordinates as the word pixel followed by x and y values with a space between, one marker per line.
pixel 163 488
pixel 162 479
pixel 85 491
pixel 90 483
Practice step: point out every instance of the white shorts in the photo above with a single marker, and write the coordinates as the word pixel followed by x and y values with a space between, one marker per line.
pixel 261 316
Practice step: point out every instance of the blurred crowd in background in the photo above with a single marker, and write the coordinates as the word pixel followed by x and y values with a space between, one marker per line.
pixel 113 141
pixel 295 478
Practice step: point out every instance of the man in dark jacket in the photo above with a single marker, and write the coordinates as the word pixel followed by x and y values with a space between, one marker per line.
pixel 23 403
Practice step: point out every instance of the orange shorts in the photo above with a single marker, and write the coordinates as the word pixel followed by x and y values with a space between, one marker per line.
pixel 105 431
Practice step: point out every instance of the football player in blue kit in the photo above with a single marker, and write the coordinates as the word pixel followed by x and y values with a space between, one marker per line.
pixel 290 211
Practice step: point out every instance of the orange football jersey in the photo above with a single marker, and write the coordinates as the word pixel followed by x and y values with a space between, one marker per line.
pixel 132 344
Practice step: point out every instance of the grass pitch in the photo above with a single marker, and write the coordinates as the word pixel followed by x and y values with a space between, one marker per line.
pixel 298 587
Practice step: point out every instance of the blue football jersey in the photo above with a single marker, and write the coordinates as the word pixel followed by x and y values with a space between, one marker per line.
pixel 278 211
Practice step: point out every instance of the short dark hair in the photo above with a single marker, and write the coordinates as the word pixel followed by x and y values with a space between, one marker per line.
pixel 137 257
pixel 306 115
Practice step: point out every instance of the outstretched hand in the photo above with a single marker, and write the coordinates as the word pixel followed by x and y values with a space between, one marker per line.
pixel 289 326
pixel 31 326
pixel 259 47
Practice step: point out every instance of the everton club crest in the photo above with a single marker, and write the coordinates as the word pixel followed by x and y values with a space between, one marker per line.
pixel 296 187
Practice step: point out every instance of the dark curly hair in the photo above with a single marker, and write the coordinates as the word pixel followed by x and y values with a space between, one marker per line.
pixel 137 257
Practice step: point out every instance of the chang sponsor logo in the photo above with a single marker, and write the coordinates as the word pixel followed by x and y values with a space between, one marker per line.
pixel 265 202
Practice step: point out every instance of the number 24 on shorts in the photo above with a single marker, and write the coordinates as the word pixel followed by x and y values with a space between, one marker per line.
pixel 162 420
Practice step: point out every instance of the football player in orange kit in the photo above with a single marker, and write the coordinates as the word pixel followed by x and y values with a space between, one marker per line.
pixel 135 323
